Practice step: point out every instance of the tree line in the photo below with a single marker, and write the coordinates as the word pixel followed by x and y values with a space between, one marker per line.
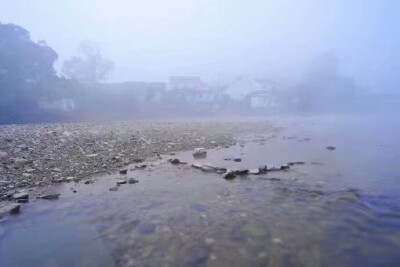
pixel 27 73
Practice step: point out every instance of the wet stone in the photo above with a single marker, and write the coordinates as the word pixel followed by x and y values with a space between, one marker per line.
pixel 254 171
pixel 199 153
pixel 242 172
pixel 349 195
pixel 70 179
pixel 229 175
pixel 273 168
pixel 206 168
pixel 237 159
pixel 49 196
pixel 9 209
pixel 115 188
pixel 22 195
pixel 175 161
pixel 285 167
pixel 263 168
pixel 197 165
pixel 132 181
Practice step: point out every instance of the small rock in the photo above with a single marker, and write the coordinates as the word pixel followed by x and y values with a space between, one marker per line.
pixel 220 171
pixel 26 175
pixel 49 196
pixel 237 159
pixel 206 168
pixel 277 241
pixel 263 168
pixel 115 188
pixel 30 170
pixel 200 153
pixel 92 155
pixel 273 168
pixel 209 241
pixel 3 154
pixel 57 170
pixel 175 161
pixel 120 181
pixel 9 209
pixel 88 182
pixel 132 181
pixel 22 200
pixel 23 147
pixel 70 179
pixel 229 175
pixel 197 165
pixel 21 195
pixel 331 148
pixel 124 171
pixel 242 172
pixel 285 167
pixel 349 195
pixel 254 171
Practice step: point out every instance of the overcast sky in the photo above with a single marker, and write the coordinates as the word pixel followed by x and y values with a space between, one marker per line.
pixel 219 39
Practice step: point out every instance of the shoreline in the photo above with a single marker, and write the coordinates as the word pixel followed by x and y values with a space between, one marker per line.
pixel 37 155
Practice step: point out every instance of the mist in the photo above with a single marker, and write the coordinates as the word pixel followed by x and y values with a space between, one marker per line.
pixel 153 40
pixel 297 47
pixel 199 133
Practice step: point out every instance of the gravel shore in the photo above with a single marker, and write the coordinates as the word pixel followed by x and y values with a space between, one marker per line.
pixel 40 154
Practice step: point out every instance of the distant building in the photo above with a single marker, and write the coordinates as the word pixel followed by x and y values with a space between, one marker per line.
pixel 186 83
pixel 64 104
pixel 257 93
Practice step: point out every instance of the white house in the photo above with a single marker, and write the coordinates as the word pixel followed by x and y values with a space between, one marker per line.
pixel 258 93
pixel 64 104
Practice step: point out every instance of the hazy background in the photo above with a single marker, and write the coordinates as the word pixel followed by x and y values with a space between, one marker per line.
pixel 217 40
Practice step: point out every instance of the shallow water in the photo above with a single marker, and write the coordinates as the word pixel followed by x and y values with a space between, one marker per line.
pixel 340 208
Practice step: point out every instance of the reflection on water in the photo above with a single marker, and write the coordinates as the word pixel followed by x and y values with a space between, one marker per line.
pixel 340 208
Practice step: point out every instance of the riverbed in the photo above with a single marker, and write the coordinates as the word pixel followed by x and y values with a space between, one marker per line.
pixel 333 207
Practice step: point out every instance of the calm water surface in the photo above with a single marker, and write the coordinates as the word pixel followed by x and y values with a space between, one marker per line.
pixel 340 208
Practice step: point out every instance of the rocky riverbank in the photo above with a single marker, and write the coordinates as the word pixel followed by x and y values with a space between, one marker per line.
pixel 40 154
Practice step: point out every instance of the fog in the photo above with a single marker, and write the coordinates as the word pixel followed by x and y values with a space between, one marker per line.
pixel 151 40
pixel 219 41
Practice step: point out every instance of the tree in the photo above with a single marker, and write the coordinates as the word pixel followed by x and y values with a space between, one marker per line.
pixel 324 87
pixel 25 67
pixel 90 67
